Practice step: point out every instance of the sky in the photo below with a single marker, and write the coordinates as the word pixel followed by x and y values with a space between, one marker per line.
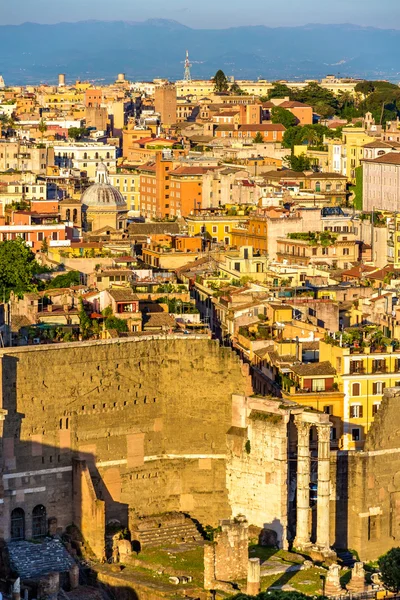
pixel 207 13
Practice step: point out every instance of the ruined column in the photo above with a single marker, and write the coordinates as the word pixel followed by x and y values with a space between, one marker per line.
pixel 209 566
pixel 324 488
pixel 253 577
pixel 356 584
pixel 332 582
pixel 303 484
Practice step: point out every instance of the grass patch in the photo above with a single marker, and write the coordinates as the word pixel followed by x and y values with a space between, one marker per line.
pixel 308 582
pixel 345 577
pixel 265 553
pixel 190 561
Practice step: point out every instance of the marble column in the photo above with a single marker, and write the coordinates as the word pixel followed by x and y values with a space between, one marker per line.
pixel 302 539
pixel 253 577
pixel 324 488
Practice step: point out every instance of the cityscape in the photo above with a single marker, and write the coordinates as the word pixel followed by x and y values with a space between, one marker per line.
pixel 199 330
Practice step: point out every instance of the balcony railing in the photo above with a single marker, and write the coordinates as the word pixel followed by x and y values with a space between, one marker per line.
pixel 379 369
pixel 357 370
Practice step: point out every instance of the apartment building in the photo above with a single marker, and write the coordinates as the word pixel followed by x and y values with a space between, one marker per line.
pixel 25 156
pixel 338 252
pixel 85 156
pixel 363 373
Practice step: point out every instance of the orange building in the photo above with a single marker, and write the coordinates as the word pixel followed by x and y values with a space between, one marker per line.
pixel 250 114
pixel 155 187
pixel 302 112
pixel 93 97
pixel 186 190
pixel 131 135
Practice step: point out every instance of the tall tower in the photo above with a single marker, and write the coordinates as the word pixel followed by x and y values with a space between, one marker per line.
pixel 187 76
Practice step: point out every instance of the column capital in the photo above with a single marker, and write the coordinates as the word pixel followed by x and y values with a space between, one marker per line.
pixel 302 426
pixel 324 431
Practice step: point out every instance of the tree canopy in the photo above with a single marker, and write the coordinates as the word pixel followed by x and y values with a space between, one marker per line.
pixel 17 267
pixel 64 280
pixel 389 565
pixel 280 90
pixel 312 135
pixel 76 133
pixel 298 163
pixel 220 82
pixel 258 138
pixel 283 116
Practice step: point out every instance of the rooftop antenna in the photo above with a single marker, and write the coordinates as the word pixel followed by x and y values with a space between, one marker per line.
pixel 187 76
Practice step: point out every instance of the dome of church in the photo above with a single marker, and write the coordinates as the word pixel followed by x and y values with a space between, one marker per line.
pixel 102 195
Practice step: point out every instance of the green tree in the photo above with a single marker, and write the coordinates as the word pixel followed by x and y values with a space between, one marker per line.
pixel 115 323
pixel 45 246
pixel 220 82
pixel 258 138
pixel 236 89
pixel 280 90
pixel 298 163
pixel 17 265
pixel 389 565
pixel 76 133
pixel 42 127
pixel 283 116
pixel 64 280
pixel 314 95
pixel 84 321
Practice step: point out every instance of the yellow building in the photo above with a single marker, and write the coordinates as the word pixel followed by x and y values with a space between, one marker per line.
pixel 217 229
pixel 128 183
pixel 363 374
pixel 345 155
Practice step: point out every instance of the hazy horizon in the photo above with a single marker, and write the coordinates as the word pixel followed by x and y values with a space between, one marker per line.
pixel 383 14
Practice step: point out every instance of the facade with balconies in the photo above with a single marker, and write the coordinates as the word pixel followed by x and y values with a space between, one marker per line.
pixel 364 371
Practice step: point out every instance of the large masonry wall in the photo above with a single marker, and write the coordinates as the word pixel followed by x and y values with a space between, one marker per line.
pixel 150 418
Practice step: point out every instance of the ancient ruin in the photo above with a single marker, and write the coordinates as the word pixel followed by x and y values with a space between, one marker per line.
pixel 123 431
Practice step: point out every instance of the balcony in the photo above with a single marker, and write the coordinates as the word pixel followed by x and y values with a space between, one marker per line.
pixel 357 370
pixel 379 369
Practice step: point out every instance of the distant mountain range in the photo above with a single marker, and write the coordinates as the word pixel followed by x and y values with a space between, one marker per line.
pixel 98 50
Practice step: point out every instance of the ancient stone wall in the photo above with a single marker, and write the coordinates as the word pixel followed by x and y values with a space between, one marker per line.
pixel 366 493
pixel 257 470
pixel 149 417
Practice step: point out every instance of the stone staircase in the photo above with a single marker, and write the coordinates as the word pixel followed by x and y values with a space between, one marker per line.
pixel 164 530
pixel 346 558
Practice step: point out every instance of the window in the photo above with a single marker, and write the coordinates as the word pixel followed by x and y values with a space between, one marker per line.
pixel 328 410
pixel 314 251
pixel 40 236
pixel 333 433
pixel 18 524
pixel 54 235
pixel 356 411
pixel 346 251
pixel 355 435
pixel 375 408
pixel 378 387
pixel 318 385
pixel 356 389
pixel 39 521
pixel 237 267
pixel 214 229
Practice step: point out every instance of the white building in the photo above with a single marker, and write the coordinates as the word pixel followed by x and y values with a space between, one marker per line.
pixel 85 156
